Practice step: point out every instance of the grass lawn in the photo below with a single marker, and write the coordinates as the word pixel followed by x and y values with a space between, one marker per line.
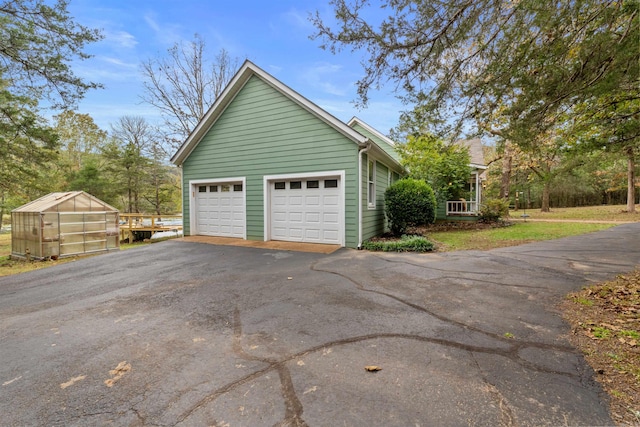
pixel 587 213
pixel 516 234
pixel 9 266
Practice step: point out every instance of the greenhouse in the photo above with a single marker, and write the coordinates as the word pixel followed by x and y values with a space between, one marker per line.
pixel 63 224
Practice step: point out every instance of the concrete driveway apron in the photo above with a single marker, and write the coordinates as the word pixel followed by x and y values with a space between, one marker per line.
pixel 180 333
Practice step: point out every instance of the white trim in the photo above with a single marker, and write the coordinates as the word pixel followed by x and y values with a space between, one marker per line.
pixel 325 174
pixel 371 201
pixel 193 231
pixel 360 171
pixel 355 120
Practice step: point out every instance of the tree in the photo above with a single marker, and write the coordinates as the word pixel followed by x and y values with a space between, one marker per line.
pixel 445 167
pixel 90 178
pixel 79 136
pixel 128 158
pixel 534 63
pixel 27 148
pixel 183 85
pixel 159 179
pixel 610 122
pixel 38 43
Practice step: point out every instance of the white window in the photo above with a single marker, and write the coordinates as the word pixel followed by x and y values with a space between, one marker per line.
pixel 371 183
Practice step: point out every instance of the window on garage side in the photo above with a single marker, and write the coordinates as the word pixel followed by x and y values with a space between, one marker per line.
pixel 371 183
pixel 202 189
pixel 237 187
pixel 330 183
pixel 280 185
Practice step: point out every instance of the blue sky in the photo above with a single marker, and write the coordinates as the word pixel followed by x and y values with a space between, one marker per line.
pixel 272 34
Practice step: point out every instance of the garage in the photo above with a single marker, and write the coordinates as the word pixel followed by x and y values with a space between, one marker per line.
pixel 305 172
pixel 220 209
pixel 307 210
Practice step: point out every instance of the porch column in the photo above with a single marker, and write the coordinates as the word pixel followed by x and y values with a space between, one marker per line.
pixel 477 192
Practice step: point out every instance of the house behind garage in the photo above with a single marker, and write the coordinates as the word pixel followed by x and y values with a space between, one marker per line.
pixel 265 163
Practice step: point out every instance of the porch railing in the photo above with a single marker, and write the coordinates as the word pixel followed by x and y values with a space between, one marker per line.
pixel 462 208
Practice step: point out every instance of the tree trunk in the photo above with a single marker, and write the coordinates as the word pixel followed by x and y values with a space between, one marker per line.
pixel 505 179
pixel 130 195
pixel 546 189
pixel 157 197
pixel 631 181
pixel 1 208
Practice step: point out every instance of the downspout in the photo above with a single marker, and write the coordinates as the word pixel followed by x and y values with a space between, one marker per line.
pixel 363 150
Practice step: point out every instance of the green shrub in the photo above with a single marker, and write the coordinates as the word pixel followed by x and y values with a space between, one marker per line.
pixel 405 244
pixel 493 210
pixel 409 203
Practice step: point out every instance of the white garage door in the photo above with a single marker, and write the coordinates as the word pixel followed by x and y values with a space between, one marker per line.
pixel 307 210
pixel 220 209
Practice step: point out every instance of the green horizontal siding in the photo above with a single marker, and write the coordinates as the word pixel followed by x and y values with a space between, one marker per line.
pixel 262 132
pixel 373 220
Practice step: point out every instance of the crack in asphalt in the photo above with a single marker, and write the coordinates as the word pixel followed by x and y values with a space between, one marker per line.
pixel 442 318
pixel 507 417
pixel 293 406
pixel 293 415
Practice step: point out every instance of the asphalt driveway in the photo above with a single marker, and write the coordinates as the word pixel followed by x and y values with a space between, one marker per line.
pixel 180 333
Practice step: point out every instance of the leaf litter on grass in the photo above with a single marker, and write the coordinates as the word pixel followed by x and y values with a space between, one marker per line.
pixel 605 323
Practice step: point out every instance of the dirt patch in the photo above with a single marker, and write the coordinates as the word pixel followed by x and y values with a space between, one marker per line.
pixel 605 322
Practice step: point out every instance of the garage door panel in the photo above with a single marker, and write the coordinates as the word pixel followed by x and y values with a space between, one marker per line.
pixel 312 200
pixel 294 201
pixel 306 210
pixel 221 213
pixel 330 218
pixel 312 217
pixel 330 235
pixel 295 233
pixel 312 234
pixel 331 201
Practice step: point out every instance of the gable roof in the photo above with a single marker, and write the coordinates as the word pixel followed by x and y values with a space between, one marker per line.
pixel 243 75
pixel 85 203
pixel 236 84
pixel 475 151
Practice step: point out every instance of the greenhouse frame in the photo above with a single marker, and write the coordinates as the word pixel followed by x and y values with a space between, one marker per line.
pixel 64 224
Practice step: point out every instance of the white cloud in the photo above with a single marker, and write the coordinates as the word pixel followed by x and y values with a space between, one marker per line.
pixel 274 69
pixel 151 22
pixel 297 19
pixel 166 34
pixel 118 62
pixel 324 77
pixel 121 39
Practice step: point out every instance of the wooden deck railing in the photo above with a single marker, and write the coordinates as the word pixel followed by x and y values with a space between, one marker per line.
pixel 135 223
pixel 462 207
